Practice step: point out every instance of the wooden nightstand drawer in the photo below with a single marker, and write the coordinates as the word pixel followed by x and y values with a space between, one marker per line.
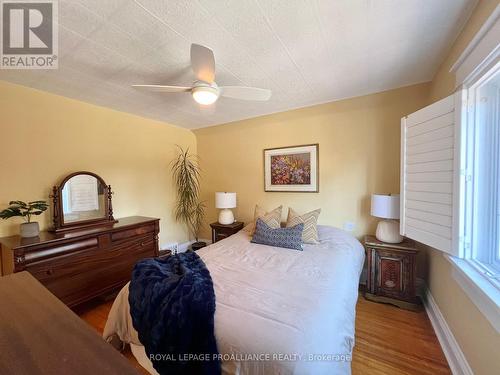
pixel 221 231
pixel 220 236
pixel 391 272
pixel 393 275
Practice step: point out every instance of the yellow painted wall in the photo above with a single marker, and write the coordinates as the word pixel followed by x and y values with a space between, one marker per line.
pixel 44 137
pixel 359 152
pixel 476 336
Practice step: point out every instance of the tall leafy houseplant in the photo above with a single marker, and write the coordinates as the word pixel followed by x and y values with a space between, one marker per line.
pixel 26 211
pixel 189 209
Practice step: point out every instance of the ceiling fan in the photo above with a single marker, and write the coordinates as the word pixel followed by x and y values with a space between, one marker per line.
pixel 204 90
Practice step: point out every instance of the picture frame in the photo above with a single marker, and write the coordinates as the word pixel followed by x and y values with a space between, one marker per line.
pixel 292 169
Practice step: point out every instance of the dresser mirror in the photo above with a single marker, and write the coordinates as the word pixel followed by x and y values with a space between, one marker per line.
pixel 81 200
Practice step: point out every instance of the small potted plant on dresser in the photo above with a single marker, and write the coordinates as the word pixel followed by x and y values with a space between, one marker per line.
pixel 26 211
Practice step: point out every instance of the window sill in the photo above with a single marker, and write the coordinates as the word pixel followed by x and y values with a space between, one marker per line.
pixel 478 288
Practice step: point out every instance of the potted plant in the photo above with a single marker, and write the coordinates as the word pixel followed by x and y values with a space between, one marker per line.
pixel 188 209
pixel 26 211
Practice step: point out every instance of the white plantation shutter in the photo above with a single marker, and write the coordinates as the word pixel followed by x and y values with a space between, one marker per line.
pixel 431 173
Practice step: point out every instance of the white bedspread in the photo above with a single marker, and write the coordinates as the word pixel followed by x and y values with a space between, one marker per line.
pixel 293 310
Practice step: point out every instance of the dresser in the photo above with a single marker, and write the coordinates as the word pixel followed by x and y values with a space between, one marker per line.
pixel 392 270
pixel 79 265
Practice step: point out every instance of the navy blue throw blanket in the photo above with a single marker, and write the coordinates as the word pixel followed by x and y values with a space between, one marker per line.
pixel 172 303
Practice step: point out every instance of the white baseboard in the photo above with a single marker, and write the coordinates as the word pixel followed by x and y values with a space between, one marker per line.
pixel 184 246
pixel 454 355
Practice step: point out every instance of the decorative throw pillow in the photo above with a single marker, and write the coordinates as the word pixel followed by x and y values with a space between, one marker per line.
pixel 290 238
pixel 271 218
pixel 310 221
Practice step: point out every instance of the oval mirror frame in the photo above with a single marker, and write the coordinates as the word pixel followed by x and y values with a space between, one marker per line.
pixel 58 210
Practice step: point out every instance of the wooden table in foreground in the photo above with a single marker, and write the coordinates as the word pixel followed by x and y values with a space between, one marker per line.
pixel 40 335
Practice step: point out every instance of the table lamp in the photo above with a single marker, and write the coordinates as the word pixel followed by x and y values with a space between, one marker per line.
pixel 225 201
pixel 387 207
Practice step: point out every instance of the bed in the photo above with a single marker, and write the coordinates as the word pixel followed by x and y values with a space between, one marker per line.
pixel 278 311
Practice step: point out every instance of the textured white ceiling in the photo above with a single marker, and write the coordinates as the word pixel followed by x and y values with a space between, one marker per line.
pixel 306 52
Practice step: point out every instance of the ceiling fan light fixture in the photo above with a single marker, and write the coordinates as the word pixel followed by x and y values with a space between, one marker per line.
pixel 204 90
pixel 205 95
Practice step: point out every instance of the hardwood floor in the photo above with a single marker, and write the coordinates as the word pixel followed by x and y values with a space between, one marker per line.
pixel 389 340
pixel 95 313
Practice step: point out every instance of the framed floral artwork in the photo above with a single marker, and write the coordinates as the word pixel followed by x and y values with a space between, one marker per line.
pixel 292 169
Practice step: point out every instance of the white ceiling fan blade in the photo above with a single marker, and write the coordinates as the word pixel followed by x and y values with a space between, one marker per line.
pixel 203 63
pixel 162 88
pixel 245 93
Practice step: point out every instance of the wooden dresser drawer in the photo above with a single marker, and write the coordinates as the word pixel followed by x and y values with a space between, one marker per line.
pixel 44 252
pixel 61 267
pixel 131 233
pixel 132 244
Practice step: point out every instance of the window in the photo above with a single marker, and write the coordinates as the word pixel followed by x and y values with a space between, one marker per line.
pixel 450 185
pixel 482 187
pixel 450 172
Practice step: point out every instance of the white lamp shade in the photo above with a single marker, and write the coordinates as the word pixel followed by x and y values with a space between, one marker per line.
pixel 225 200
pixel 385 206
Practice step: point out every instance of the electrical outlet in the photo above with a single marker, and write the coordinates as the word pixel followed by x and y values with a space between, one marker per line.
pixel 349 226
pixel 173 247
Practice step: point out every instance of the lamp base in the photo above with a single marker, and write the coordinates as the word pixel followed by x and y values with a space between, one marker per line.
pixel 388 231
pixel 226 216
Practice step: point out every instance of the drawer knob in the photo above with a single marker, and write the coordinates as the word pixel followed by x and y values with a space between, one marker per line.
pixel 49 271
pixel 390 284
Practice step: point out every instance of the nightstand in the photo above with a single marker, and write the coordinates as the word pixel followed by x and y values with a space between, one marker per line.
pixel 392 270
pixel 221 231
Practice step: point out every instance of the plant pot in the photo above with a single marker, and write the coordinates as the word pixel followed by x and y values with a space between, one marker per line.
pixel 30 230
pixel 198 245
